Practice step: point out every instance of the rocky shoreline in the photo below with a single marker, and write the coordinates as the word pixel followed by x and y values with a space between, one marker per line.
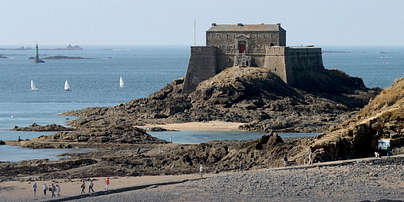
pixel 141 154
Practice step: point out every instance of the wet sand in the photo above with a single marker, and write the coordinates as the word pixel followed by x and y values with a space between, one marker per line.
pixel 199 126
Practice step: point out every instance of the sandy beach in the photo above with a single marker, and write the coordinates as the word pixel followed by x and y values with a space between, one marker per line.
pixel 349 180
pixel 18 190
pixel 198 126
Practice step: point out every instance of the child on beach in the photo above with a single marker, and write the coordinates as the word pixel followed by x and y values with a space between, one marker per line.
pixel 34 186
pixel 201 170
pixel 107 184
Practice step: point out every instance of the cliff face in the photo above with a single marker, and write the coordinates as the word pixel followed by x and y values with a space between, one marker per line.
pixel 250 95
pixel 383 117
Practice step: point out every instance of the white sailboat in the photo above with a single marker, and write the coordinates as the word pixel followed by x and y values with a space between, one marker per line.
pixel 121 83
pixel 67 86
pixel 33 87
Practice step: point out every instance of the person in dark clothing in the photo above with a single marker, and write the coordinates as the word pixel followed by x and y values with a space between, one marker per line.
pixel 52 189
pixel 83 187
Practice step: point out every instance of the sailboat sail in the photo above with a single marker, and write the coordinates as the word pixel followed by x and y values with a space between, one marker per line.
pixel 67 86
pixel 33 87
pixel 121 84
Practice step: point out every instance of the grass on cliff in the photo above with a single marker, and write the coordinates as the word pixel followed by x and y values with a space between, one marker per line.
pixel 391 97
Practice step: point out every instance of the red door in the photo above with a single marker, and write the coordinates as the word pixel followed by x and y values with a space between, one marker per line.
pixel 241 48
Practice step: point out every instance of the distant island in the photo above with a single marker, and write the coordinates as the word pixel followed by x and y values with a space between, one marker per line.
pixel 63 57
pixel 335 51
pixel 3 57
pixel 68 47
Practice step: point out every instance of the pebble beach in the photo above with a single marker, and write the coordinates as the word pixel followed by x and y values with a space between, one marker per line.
pixel 354 181
pixel 369 179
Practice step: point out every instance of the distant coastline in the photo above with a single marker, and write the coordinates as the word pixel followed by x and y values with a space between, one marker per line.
pixel 68 47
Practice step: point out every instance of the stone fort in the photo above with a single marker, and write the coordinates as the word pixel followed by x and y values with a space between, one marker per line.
pixel 249 45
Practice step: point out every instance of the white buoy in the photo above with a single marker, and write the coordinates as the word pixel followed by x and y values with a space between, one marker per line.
pixel 67 86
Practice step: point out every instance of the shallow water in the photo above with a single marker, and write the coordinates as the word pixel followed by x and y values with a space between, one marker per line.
pixel 15 153
pixel 95 82
pixel 205 136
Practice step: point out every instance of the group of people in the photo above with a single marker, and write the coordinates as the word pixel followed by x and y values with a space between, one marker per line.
pixel 90 186
pixel 378 151
pixel 51 188
pixel 55 189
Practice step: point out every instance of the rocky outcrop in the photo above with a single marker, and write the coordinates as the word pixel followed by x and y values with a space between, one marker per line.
pixel 2 142
pixel 91 137
pixel 39 128
pixel 249 95
pixel 383 117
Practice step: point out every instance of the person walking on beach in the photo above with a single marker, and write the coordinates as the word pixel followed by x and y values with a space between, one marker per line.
pixel 34 186
pixel 310 155
pixel 58 190
pixel 52 190
pixel 388 150
pixel 45 188
pixel 90 186
pixel 83 187
pixel 201 170
pixel 106 184
pixel 285 161
pixel 377 152
pixel 241 165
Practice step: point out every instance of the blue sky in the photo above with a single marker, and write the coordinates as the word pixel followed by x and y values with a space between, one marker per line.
pixel 170 22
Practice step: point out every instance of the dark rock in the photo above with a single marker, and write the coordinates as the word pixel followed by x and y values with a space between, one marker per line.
pixel 121 134
pixel 38 128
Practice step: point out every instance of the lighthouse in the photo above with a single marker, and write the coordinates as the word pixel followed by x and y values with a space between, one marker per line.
pixel 36 57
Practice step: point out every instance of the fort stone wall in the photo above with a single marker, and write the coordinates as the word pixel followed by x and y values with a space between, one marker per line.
pixel 202 65
pixel 288 62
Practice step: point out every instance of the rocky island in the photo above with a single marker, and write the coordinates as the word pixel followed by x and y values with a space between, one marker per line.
pixel 251 77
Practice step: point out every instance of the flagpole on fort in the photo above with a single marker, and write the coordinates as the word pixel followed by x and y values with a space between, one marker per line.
pixel 195 31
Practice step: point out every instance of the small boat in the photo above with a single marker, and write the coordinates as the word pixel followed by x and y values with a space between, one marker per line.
pixel 121 83
pixel 33 87
pixel 67 86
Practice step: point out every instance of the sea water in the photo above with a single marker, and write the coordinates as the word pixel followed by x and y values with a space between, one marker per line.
pixel 95 82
